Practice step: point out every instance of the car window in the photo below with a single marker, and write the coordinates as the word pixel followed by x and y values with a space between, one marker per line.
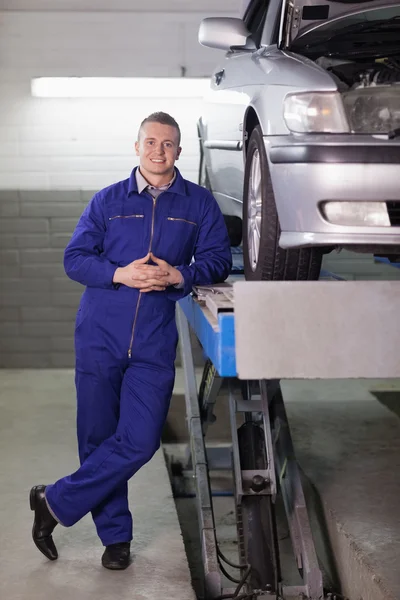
pixel 254 19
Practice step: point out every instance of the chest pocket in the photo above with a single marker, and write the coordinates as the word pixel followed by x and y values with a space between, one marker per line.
pixel 127 229
pixel 126 217
pixel 182 220
pixel 182 230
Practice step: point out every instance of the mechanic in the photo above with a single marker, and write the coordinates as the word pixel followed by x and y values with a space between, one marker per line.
pixel 122 250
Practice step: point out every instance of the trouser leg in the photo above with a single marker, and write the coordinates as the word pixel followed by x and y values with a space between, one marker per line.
pixel 144 401
pixel 98 399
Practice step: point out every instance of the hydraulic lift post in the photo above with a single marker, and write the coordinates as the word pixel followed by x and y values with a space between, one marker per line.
pixel 311 330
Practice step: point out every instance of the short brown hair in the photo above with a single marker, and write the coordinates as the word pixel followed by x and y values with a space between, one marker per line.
pixel 162 118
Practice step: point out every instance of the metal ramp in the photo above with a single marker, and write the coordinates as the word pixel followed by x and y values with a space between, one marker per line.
pixel 254 334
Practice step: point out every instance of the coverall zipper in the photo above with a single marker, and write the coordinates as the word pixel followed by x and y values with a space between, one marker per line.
pixel 126 217
pixel 184 220
pixel 140 293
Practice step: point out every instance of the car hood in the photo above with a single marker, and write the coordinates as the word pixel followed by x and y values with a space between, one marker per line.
pixel 301 17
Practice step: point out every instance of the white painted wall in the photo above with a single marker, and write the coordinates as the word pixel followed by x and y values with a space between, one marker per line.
pixel 209 6
pixel 87 144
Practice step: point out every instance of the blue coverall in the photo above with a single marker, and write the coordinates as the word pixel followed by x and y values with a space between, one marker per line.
pixel 125 341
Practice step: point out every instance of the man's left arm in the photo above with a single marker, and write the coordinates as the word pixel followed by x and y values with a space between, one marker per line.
pixel 212 254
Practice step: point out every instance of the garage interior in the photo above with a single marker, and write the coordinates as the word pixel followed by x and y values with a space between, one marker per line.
pixel 55 153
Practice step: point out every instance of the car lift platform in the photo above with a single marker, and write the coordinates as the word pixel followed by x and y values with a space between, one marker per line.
pixel 253 335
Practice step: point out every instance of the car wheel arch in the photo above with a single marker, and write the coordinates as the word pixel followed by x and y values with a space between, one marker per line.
pixel 263 257
pixel 250 122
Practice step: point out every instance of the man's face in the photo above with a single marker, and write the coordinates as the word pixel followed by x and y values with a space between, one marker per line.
pixel 158 149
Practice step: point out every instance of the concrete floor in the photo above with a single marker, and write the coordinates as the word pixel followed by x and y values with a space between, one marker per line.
pixel 347 443
pixel 37 445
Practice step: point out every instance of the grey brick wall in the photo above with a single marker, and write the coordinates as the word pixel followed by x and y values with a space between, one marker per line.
pixel 38 302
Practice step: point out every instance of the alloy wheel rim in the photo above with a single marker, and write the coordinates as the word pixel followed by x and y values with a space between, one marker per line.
pixel 254 206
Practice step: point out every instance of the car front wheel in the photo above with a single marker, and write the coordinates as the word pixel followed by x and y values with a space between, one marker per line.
pixel 263 258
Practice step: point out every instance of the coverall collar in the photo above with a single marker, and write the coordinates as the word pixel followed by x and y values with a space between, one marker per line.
pixel 142 183
pixel 178 186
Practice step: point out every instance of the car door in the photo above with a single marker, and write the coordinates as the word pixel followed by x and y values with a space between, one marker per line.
pixel 225 106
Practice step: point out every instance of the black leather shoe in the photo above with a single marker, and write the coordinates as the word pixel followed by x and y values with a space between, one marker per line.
pixel 43 524
pixel 117 556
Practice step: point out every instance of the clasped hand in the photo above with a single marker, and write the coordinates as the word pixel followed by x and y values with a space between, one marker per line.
pixel 147 278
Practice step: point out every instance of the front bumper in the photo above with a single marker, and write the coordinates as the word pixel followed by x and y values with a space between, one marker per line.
pixel 307 171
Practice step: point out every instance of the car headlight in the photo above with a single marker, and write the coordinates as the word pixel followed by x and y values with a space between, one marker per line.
pixel 315 112
pixel 373 109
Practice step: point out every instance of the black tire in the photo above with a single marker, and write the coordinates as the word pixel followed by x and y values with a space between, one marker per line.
pixel 274 263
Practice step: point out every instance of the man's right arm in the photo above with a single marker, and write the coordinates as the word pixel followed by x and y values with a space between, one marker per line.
pixel 83 257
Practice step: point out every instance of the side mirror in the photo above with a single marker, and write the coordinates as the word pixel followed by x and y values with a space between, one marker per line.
pixel 223 33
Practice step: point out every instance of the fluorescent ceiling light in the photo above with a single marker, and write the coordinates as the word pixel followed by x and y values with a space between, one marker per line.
pixel 119 87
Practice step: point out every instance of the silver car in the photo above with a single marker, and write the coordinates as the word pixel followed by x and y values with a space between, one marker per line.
pixel 300 132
